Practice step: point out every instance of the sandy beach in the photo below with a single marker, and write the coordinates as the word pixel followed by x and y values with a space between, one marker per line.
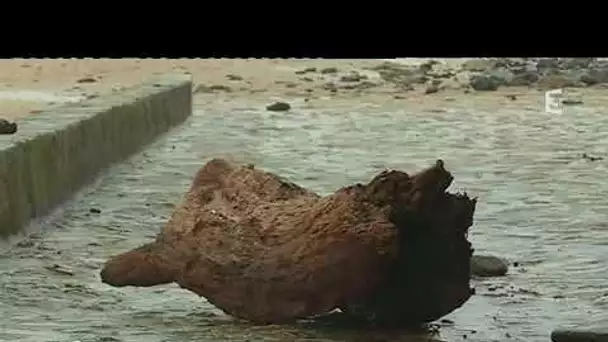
pixel 29 85
pixel 541 204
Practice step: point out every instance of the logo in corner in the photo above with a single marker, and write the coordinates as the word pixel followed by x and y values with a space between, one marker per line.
pixel 553 101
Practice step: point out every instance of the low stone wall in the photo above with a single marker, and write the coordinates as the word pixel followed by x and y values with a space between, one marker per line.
pixel 56 152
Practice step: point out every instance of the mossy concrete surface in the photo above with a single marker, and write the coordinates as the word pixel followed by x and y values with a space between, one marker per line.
pixel 56 152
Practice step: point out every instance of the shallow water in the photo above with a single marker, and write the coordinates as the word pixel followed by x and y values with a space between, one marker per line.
pixel 541 206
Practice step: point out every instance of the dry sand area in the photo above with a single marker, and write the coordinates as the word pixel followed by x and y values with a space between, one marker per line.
pixel 29 85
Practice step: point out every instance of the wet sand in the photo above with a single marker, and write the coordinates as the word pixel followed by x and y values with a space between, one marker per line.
pixel 540 203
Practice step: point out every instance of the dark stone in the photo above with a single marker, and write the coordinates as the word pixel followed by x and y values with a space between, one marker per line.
pixel 232 77
pixel 331 70
pixel 305 71
pixel 488 266
pixel 523 78
pixel 572 102
pixel 201 88
pixel 278 107
pixel 431 89
pixel 354 77
pixel 566 335
pixel 86 80
pixel 594 76
pixel 7 127
pixel 485 83
pixel 95 211
pixel 547 63
pixel 591 158
pixel 576 63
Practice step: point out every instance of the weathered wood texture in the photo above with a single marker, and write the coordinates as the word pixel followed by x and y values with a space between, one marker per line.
pixel 264 249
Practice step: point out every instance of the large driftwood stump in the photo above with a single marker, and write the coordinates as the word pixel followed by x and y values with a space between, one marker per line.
pixel 266 250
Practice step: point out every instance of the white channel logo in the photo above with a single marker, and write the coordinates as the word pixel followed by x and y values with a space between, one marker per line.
pixel 553 101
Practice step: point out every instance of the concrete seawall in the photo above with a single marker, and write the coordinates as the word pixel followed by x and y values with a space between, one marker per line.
pixel 56 152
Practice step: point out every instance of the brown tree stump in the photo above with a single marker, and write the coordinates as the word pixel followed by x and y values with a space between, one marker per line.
pixel 393 251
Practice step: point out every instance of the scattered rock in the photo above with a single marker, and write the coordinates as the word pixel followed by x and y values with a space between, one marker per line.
pixel 547 63
pixel 484 83
pixel 307 79
pixel 95 211
pixel 427 66
pixel 567 335
pixel 25 243
pixel 353 77
pixel 278 107
pixel 201 88
pixel 488 266
pixel 479 64
pixel 331 70
pixel 307 70
pixel 556 80
pixel 431 89
pixel 7 127
pixel 511 97
pixel 331 87
pixel 232 77
pixel 570 102
pixel 523 78
pixel 87 79
pixel 591 158
pixel 576 63
pixel 594 76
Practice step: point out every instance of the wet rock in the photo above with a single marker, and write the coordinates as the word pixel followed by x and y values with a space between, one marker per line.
pixel 330 86
pixel 307 70
pixel 523 77
pixel 545 64
pixel 567 335
pixel 330 70
pixel 576 63
pixel 7 127
pixel 353 77
pixel 87 79
pixel 485 83
pixel 427 66
pixel 594 76
pixel 557 80
pixel 392 251
pixel 400 75
pixel 95 211
pixel 431 89
pixel 479 64
pixel 201 88
pixel 572 102
pixel 232 77
pixel 591 158
pixel 488 266
pixel 279 107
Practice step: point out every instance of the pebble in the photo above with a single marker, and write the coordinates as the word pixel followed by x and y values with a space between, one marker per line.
pixel 278 107
pixel 7 127
pixel 488 266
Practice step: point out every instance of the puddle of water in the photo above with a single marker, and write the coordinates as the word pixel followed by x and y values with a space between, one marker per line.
pixel 540 205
